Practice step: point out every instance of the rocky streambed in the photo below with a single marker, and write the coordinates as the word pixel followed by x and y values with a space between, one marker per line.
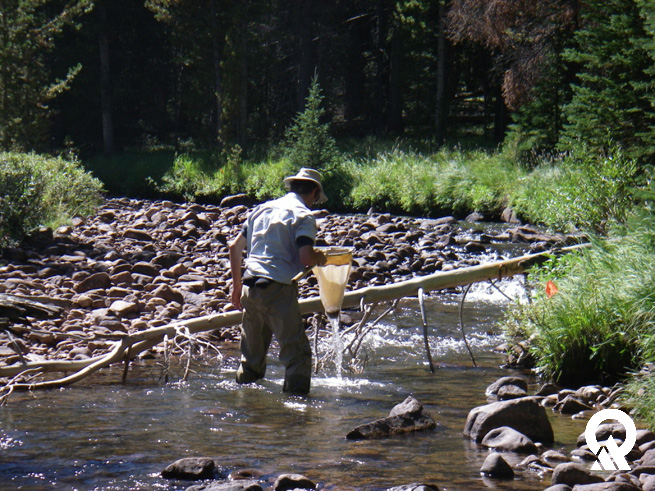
pixel 135 264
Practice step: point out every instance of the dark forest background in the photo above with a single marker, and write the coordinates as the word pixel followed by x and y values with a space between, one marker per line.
pixel 106 76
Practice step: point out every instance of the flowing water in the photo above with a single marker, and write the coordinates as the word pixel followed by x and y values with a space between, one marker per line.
pixel 104 436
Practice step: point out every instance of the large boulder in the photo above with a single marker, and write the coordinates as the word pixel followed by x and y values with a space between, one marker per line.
pixel 406 417
pixel 525 415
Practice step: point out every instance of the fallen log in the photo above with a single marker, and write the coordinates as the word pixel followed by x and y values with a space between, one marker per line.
pixel 133 344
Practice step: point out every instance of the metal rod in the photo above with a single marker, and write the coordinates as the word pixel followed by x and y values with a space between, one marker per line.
pixel 425 329
pixel 461 323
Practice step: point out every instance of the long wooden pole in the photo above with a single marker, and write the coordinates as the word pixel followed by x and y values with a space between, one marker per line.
pixel 141 341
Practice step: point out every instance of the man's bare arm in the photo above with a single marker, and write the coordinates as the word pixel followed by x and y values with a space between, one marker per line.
pixel 236 248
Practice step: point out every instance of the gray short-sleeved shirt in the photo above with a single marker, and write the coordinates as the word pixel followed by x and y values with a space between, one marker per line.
pixel 272 231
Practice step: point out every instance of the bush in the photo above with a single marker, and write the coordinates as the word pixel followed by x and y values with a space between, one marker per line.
pixel 598 326
pixel 579 189
pixel 38 190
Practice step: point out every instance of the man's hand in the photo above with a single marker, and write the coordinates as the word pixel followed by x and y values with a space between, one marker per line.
pixel 310 257
pixel 236 296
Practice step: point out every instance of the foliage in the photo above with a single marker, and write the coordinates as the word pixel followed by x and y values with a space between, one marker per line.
pixel 538 122
pixel 578 189
pixel 449 181
pixel 526 34
pixel 308 140
pixel 27 35
pixel 612 94
pixel 39 190
pixel 640 397
pixel 597 327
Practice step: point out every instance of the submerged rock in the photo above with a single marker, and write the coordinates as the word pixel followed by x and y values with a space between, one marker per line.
pixel 192 468
pixel 414 487
pixel 287 482
pixel 227 486
pixel 406 417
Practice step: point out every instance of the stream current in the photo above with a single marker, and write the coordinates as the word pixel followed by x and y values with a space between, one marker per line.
pixel 101 435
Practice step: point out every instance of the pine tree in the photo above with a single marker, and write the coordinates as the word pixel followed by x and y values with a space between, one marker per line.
pixel 28 29
pixel 308 140
pixel 611 98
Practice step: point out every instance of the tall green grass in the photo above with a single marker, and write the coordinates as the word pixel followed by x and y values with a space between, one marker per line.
pixel 577 190
pixel 599 326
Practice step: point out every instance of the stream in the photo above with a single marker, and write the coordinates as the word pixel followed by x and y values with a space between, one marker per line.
pixel 102 435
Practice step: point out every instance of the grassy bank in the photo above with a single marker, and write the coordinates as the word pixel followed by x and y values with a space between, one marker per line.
pixel 568 191
pixel 600 325
pixel 36 190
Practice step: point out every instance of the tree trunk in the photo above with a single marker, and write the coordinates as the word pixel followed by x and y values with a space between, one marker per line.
pixel 304 19
pixel 395 112
pixel 441 106
pixel 242 126
pixel 379 67
pixel 217 46
pixel 500 117
pixel 105 82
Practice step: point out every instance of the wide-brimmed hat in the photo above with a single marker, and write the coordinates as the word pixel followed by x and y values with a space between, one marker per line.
pixel 305 174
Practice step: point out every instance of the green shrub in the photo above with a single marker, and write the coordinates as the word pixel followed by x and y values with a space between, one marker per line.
pixel 38 190
pixel 598 326
pixel 580 189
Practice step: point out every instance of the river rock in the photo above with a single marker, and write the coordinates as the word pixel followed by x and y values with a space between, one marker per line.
pixel 406 417
pixel 506 439
pixel 607 486
pixel 286 482
pixel 648 458
pixel 123 309
pixel 227 486
pixel 96 281
pixel 493 389
pixel 644 436
pixel 191 468
pixel 496 466
pixel 571 405
pixel 647 482
pixel 414 487
pixel 558 487
pixel 603 432
pixel 572 474
pixel 525 415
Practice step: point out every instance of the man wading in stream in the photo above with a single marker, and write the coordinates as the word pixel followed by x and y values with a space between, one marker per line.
pixel 279 238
